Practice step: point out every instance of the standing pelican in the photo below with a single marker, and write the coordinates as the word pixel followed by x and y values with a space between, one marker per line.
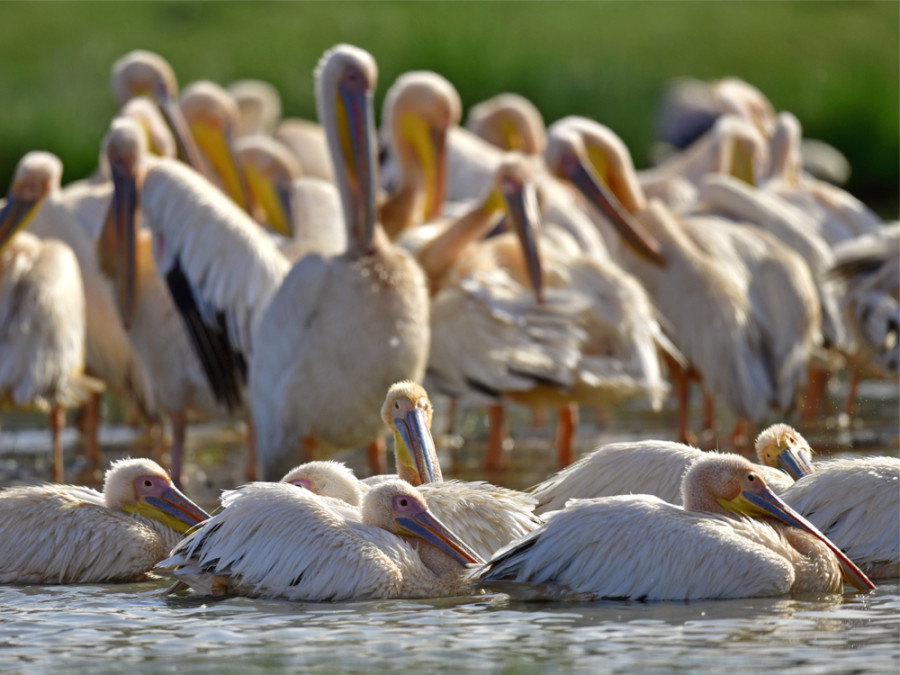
pixel 854 501
pixel 42 308
pixel 66 534
pixel 272 540
pixel 75 216
pixel 363 313
pixel 640 547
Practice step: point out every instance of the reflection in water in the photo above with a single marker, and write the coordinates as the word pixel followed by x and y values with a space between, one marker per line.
pixel 133 626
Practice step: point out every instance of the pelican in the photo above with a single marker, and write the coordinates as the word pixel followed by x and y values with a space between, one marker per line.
pixel 491 516
pixel 67 534
pixel 220 270
pixel 144 73
pixel 772 326
pixel 259 105
pixel 307 141
pixel 854 501
pixel 363 313
pixel 212 115
pixel 642 548
pixel 656 468
pixel 509 121
pixel 75 216
pixel 272 540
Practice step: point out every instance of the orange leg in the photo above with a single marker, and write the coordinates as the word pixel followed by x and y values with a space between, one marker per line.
pixel 815 392
pixel 309 448
pixel 375 452
pixel 57 423
pixel 850 403
pixel 567 419
pixel 681 387
pixel 493 453
pixel 91 429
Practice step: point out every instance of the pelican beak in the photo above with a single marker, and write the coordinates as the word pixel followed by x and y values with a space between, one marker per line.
pixel 764 503
pixel 438 188
pixel 187 147
pixel 124 232
pixel 415 446
pixel 795 459
pixel 356 129
pixel 274 199
pixel 14 216
pixel 172 508
pixel 522 208
pixel 596 192
pixel 741 163
pixel 429 528
pixel 217 144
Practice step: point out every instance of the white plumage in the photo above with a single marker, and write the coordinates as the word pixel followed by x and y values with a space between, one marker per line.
pixel 64 534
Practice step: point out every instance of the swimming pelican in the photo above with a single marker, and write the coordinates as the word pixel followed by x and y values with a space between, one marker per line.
pixel 67 534
pixel 363 313
pixel 272 540
pixel 854 501
pixel 656 468
pixel 642 548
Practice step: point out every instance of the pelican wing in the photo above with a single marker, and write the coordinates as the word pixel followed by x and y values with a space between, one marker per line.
pixel 640 548
pixel 57 534
pixel 275 540
pixel 489 517
pixel 42 324
pixel 221 268
pixel 489 336
pixel 855 502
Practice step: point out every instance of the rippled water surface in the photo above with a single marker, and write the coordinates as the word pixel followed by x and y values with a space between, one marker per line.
pixel 136 628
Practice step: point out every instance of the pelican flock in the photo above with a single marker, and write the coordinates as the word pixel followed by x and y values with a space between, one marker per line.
pixel 310 278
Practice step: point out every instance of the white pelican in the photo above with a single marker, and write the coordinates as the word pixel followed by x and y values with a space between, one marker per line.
pixel 728 270
pixel 145 73
pixel 307 141
pixel 75 216
pixel 42 307
pixel 211 114
pixel 854 501
pixel 642 548
pixel 67 534
pixel 509 121
pixel 656 468
pixel 340 330
pixel 220 269
pixel 259 105
pixel 272 540
pixel 491 516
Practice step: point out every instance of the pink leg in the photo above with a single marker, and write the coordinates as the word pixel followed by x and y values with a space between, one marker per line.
pixel 567 419
pixel 375 452
pixel 493 453
pixel 57 423
pixel 176 451
pixel 250 466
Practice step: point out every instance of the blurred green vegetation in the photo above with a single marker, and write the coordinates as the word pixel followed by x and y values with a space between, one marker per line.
pixel 836 65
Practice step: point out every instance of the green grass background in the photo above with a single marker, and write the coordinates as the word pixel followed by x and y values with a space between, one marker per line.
pixel 836 65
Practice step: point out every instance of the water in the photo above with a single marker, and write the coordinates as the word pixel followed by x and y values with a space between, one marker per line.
pixel 134 627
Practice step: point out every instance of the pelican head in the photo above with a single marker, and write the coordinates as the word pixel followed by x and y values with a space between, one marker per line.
pixel 781 446
pixel 259 104
pixel 270 169
pixel 733 96
pixel 398 507
pixel 741 150
pixel 212 116
pixel 37 174
pixel 144 73
pixel 326 479
pixel 730 484
pixel 160 140
pixel 140 486
pixel 509 121
pixel 345 84
pixel 407 410
pixel 420 108
pixel 125 147
pixel 596 162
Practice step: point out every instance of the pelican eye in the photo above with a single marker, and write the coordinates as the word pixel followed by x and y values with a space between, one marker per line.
pixel 397 405
pixel 148 482
pixel 404 503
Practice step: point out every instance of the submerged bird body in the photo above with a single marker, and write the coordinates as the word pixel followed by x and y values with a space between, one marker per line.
pixel 276 541
pixel 64 534
pixel 639 547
